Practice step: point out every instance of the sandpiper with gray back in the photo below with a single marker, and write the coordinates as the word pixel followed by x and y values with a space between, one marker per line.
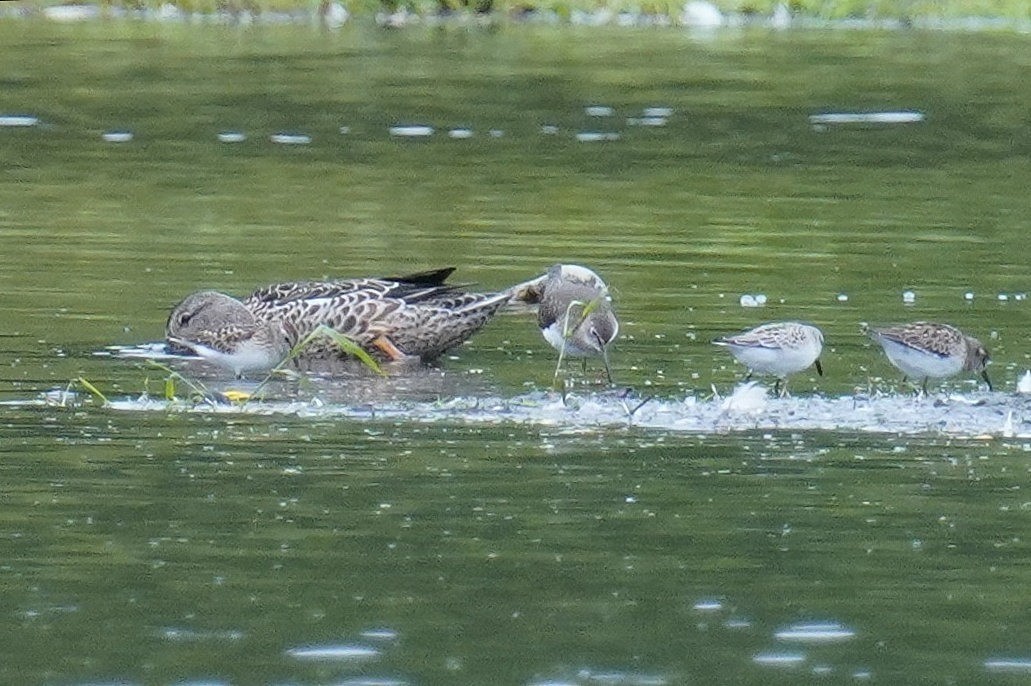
pixel 778 348
pixel 926 350
pixel 574 312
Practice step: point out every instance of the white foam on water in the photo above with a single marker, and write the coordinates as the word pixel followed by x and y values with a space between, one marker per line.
pixel 18 120
pixel 1024 384
pixel 646 121
pixel 815 633
pixel 334 653
pixel 183 635
pixel 117 136
pixel 290 139
pixel 595 136
pixel 971 416
pixel 379 634
pixel 1020 665
pixel 779 659
pixel 901 117
pixel 973 413
pixel 416 131
pixel 708 606
pixel 71 13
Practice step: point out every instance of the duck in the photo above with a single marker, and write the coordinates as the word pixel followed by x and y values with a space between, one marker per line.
pixel 417 317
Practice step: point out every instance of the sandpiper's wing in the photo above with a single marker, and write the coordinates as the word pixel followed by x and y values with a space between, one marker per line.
pixel 764 336
pixel 925 337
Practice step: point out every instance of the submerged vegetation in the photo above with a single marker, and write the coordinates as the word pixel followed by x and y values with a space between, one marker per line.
pixel 596 11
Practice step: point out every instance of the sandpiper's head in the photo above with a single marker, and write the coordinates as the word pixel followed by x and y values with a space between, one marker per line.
pixel 575 312
pixel 598 328
pixel 576 298
pixel 205 311
pixel 977 359
pixel 977 355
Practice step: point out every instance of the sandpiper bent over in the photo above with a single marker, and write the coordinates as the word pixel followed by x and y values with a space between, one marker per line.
pixel 777 348
pixel 927 350
pixel 574 312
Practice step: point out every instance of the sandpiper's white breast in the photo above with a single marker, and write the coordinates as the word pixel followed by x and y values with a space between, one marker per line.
pixel 919 363
pixel 780 348
pixel 776 361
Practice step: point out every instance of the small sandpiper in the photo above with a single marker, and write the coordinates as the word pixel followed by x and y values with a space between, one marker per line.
pixel 574 312
pixel 778 348
pixel 399 318
pixel 926 350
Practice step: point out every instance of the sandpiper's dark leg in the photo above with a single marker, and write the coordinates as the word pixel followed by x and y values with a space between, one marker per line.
pixel 605 360
pixel 604 355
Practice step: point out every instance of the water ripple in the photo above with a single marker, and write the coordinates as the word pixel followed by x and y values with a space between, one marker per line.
pixel 334 653
pixel 1012 665
pixel 826 632
pixel 772 659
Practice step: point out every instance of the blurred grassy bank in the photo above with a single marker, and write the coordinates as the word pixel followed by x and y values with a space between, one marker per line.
pixel 732 11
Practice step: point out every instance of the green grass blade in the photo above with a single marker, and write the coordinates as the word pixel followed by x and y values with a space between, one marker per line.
pixel 172 378
pixel 352 348
pixel 345 344
pixel 94 391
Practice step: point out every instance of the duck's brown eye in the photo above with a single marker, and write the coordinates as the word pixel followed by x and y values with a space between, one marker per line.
pixel 185 318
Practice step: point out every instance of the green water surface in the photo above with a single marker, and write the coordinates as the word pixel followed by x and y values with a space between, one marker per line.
pixel 161 548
